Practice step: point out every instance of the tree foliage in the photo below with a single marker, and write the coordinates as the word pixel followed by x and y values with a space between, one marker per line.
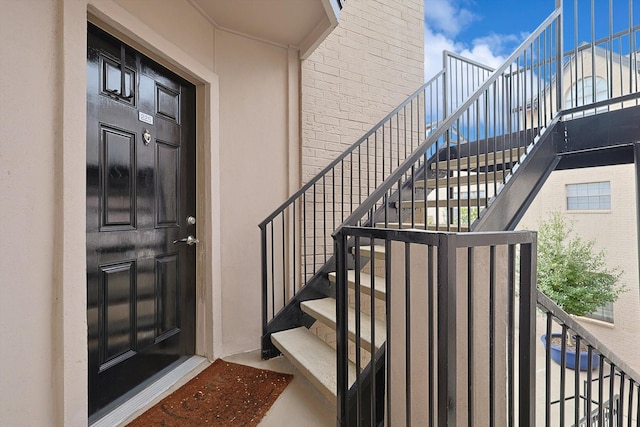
pixel 571 272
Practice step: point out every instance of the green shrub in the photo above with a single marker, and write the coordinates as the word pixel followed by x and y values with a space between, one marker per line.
pixel 571 272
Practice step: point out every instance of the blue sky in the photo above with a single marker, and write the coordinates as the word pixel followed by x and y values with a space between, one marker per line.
pixel 484 30
pixel 489 30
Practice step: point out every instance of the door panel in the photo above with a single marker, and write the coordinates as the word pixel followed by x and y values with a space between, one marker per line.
pixel 117 167
pixel 140 190
pixel 118 286
pixel 167 184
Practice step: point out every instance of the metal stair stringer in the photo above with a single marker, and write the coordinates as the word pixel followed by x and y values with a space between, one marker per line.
pixel 506 209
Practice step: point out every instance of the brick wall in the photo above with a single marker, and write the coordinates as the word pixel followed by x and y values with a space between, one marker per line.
pixel 366 67
pixel 371 63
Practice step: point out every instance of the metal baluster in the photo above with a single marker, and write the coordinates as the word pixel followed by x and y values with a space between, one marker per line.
pixel 563 372
pixel 621 400
pixel 304 235
pixel 547 359
pixel 511 289
pixel 431 302
pixel 273 291
pixel 407 305
pixel 372 371
pixel 492 335
pixel 263 262
pixel 600 391
pixel 589 381
pixel 612 380
pixel 470 332
pixel 294 242
pixel 315 226
pixel 358 309
pixel 387 280
pixel 324 217
pixel 576 384
pixel 284 268
pixel 631 388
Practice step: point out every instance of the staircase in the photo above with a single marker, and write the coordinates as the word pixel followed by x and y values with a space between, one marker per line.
pixel 455 165
pixel 312 350
pixel 303 329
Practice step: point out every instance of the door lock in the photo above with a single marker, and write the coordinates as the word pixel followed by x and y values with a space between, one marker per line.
pixel 191 220
pixel 189 240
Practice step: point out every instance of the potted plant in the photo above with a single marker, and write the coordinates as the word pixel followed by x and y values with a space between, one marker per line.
pixel 576 277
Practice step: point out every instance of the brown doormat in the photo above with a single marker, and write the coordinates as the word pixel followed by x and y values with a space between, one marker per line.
pixel 224 394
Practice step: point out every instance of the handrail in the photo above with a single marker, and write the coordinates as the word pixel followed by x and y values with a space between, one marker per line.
pixel 447 124
pixel 296 246
pixel 587 46
pixel 432 302
pixel 448 53
pixel 348 151
pixel 598 364
pixel 585 335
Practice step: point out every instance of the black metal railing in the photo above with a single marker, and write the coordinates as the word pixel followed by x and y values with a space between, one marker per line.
pixel 478 145
pixel 296 238
pixel 585 383
pixel 459 325
pixel 603 61
pixel 461 70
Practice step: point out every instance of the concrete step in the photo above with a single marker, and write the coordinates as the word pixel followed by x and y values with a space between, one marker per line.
pixel 482 202
pixel 365 283
pixel 315 359
pixel 324 310
pixel 464 180
pixel 365 251
pixel 474 161
pixel 417 226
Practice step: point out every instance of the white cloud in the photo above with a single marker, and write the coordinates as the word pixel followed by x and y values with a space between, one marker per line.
pixel 434 44
pixel 447 16
pixel 484 50
pixel 444 19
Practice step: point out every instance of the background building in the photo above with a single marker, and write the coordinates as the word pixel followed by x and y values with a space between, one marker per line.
pixel 600 202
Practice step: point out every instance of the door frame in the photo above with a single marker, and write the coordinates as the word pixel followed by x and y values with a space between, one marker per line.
pixel 69 317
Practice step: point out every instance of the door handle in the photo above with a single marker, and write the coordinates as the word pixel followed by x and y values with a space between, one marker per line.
pixel 189 240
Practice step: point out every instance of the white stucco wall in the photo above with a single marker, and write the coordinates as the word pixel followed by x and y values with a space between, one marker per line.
pixel 244 92
pixel 615 231
pixel 253 173
pixel 179 22
pixel 29 133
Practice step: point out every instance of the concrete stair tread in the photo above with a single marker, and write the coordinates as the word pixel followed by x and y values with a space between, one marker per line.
pixel 324 310
pixel 418 226
pixel 442 203
pixel 464 180
pixel 475 161
pixel 315 359
pixel 365 251
pixel 365 283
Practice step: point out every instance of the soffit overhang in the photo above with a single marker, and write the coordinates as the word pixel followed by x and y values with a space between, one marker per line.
pixel 301 24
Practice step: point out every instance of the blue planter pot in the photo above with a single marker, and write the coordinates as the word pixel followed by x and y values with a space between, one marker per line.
pixel 570 359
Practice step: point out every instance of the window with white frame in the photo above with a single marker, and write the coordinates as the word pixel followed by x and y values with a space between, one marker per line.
pixel 464 195
pixel 604 313
pixel 589 196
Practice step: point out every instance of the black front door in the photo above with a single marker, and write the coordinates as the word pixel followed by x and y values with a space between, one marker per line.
pixel 140 194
